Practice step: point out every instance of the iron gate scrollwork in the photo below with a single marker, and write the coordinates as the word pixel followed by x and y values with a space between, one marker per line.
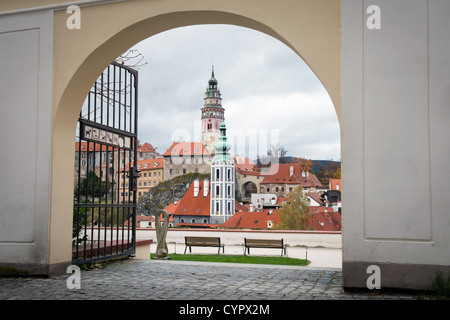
pixel 104 221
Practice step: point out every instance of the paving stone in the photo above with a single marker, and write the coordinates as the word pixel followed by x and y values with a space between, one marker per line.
pixel 166 280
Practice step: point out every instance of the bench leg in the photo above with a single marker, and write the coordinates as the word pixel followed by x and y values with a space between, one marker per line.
pixel 185 248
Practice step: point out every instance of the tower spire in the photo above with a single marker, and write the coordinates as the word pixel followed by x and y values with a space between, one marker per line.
pixel 212 114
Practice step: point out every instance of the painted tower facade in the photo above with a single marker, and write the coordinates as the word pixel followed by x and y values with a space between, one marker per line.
pixel 213 114
pixel 222 181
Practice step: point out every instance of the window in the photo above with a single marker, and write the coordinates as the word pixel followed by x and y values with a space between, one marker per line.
pixel 181 220
pixel 193 220
pixel 229 174
pixel 217 191
pixel 217 207
pixel 229 206
pixel 229 190
pixel 217 174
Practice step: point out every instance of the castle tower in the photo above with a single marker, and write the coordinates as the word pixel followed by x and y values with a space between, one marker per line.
pixel 222 181
pixel 212 115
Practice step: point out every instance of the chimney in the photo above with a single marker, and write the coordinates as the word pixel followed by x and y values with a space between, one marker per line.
pixel 205 188
pixel 291 171
pixel 196 188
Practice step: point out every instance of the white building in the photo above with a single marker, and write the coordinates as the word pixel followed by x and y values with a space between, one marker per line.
pixel 222 181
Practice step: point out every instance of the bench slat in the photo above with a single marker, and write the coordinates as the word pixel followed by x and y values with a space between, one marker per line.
pixel 264 243
pixel 203 242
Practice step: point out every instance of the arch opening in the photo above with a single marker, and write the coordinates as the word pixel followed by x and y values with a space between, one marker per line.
pixel 76 79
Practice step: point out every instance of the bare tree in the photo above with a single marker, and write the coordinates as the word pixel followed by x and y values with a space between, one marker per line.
pixel 277 151
pixel 132 58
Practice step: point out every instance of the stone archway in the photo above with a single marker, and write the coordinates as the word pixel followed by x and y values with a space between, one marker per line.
pixel 247 189
pixel 391 79
pixel 81 56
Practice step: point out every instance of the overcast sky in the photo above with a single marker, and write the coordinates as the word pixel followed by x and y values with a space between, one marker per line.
pixel 269 94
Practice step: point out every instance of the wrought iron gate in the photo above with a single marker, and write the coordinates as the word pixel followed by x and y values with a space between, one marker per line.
pixel 104 223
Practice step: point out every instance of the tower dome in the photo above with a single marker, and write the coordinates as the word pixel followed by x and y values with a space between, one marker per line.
pixel 222 146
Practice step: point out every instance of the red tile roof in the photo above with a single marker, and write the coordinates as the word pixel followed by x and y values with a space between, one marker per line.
pixel 252 220
pixel 316 197
pixel 240 207
pixel 194 206
pixel 246 166
pixel 171 207
pixel 148 164
pixel 325 219
pixel 281 174
pixel 146 147
pixel 322 219
pixel 334 183
pixel 186 149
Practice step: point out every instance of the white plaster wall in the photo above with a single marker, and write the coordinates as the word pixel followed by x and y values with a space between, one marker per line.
pixel 308 239
pixel 26 55
pixel 395 131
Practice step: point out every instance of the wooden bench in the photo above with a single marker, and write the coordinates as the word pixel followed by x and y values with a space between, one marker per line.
pixel 264 243
pixel 203 242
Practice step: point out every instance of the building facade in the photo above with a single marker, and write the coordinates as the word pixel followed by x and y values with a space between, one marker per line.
pixel 286 177
pixel 150 175
pixel 222 181
pixel 186 157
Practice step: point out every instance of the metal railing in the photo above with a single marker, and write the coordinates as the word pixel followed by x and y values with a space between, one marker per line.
pixel 104 224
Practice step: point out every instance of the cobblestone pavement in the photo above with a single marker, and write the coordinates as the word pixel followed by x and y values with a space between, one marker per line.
pixel 175 280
